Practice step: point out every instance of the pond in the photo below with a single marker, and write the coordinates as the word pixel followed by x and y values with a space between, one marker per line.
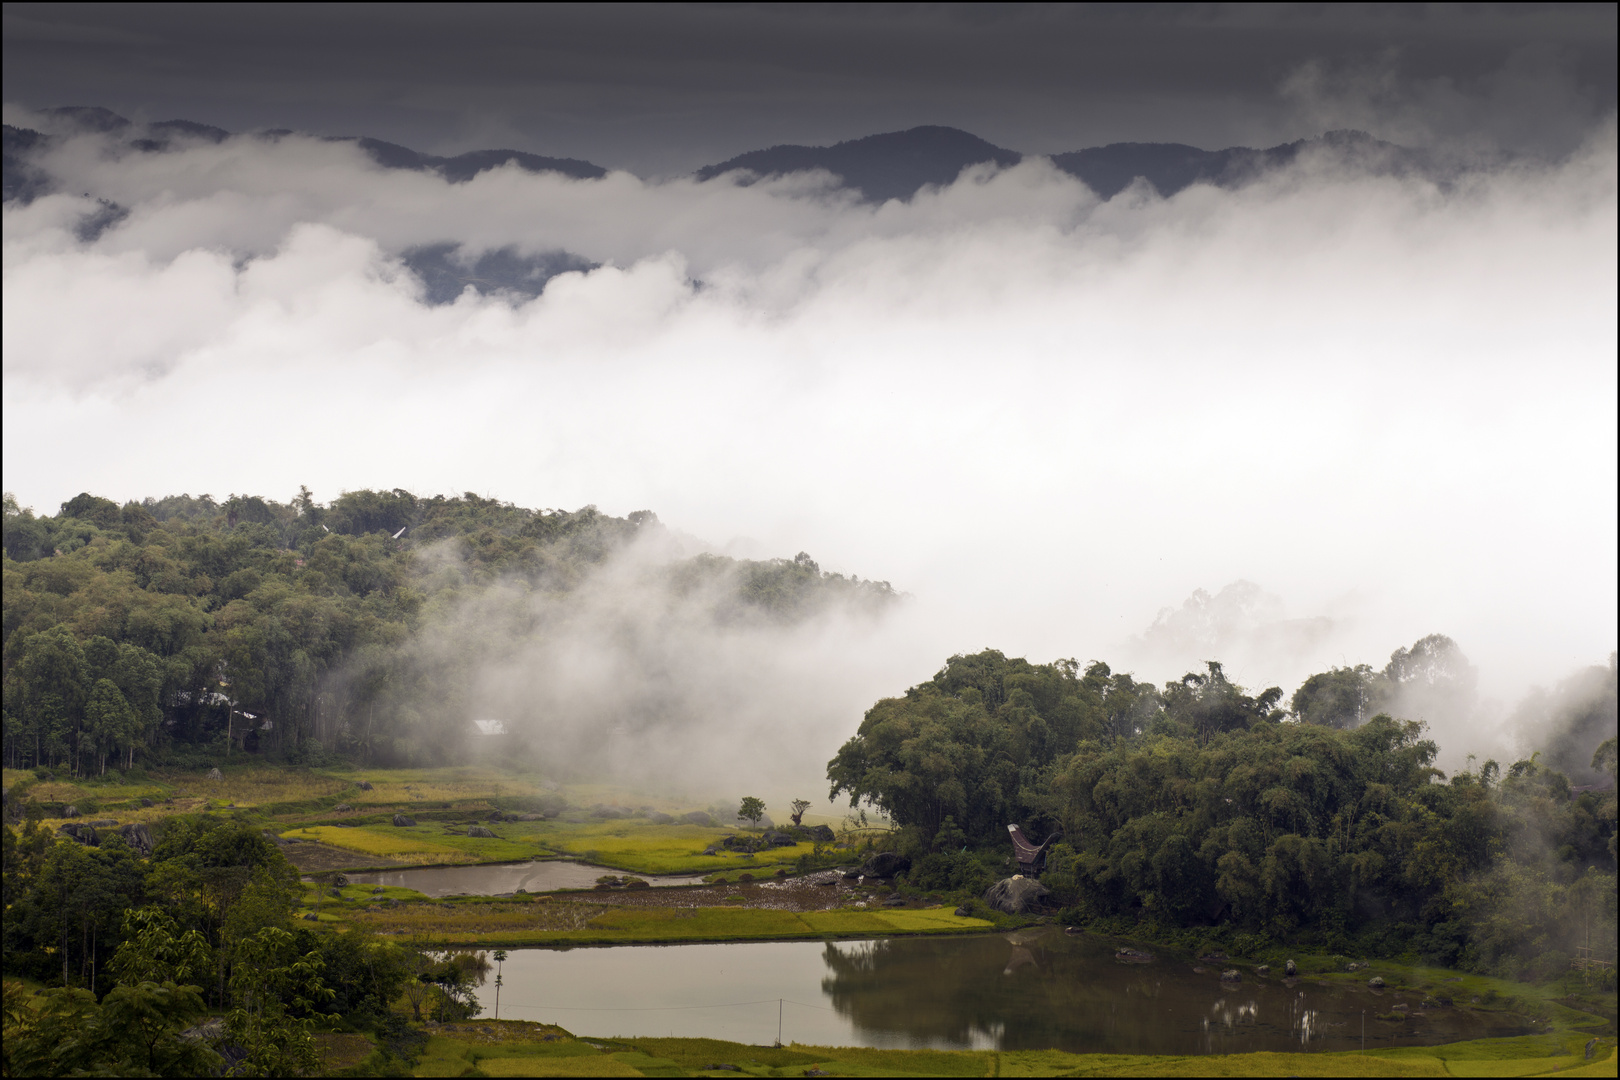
pixel 496 878
pixel 1031 989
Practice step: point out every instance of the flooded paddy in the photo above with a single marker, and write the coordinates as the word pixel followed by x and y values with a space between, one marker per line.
pixel 1032 989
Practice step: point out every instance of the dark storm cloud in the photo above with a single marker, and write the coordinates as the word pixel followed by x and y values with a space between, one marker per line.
pixel 664 88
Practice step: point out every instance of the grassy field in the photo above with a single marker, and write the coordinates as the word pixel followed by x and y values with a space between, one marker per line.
pixel 305 805
pixel 545 921
pixel 516 1048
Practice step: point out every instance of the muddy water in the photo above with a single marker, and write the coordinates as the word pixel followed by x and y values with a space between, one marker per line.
pixel 1032 989
pixel 505 878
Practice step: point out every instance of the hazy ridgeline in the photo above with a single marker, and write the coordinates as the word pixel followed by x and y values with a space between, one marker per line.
pixel 1376 390
pixel 404 630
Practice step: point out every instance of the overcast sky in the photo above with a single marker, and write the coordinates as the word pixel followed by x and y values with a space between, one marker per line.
pixel 1387 401
pixel 668 87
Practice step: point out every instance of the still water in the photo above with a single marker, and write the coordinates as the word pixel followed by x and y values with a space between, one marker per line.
pixel 1033 989
pixel 493 879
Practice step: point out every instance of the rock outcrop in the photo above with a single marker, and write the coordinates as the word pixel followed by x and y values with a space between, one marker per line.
pixel 404 822
pixel 139 837
pixel 1017 895
pixel 215 774
pixel 885 864
pixel 482 833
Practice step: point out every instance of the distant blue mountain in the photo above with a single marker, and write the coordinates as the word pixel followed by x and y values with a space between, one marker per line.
pixel 899 164
pixel 880 167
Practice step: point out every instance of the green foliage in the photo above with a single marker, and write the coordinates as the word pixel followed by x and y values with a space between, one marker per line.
pixel 1200 804
pixel 312 620
pixel 133 1031
pixel 751 810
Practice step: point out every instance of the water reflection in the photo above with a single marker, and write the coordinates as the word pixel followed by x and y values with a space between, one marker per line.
pixel 1029 990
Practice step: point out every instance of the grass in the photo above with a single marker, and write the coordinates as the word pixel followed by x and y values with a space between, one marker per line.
pixel 512 1048
pixel 546 922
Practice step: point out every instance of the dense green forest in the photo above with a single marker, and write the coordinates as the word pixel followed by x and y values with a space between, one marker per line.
pixel 141 949
pixel 187 626
pixel 1198 805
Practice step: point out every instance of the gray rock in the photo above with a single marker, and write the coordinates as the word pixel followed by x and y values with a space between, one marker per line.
pixel 895 901
pixel 773 838
pixel 482 833
pixel 403 822
pixel 658 818
pixel 342 808
pixel 710 850
pixel 1591 1049
pixel 496 815
pixel 1376 982
pixel 886 864
pixel 963 912
pixel 698 817
pixel 1290 969
pixel 215 774
pixel 139 837
pixel 365 785
pixel 84 834
pixel 72 811
pixel 147 804
pixel 1016 895
pixel 819 833
pixel 1263 969
pixel 1231 975
pixel 312 917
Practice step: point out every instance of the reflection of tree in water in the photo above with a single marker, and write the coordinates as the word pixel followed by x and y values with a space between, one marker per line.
pixel 1025 990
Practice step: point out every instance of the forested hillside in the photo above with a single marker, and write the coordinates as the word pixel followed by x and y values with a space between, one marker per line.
pixel 1200 805
pixel 366 627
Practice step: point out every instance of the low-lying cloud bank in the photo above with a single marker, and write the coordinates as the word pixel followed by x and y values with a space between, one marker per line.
pixel 1046 416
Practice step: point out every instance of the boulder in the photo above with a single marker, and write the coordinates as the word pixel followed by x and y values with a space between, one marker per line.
pixel 403 822
pixel 481 832
pixel 698 817
pixel 1591 1049
pixel 1290 969
pixel 312 917
pixel 773 838
pixel 365 785
pixel 963 912
pixel 710 850
pixel 886 864
pixel 1016 895
pixel 342 808
pixel 1263 969
pixel 1133 956
pixel 72 811
pixel 819 833
pixel 139 837
pixel 1376 982
pixel 147 804
pixel 215 774
pixel 608 813
pixel 84 834
pixel 1231 975
pixel 659 818
pixel 895 901
pixel 496 815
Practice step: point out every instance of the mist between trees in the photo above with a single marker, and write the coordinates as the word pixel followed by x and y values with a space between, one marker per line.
pixel 396 630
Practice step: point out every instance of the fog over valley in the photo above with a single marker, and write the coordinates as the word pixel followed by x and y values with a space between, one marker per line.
pixel 1301 411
